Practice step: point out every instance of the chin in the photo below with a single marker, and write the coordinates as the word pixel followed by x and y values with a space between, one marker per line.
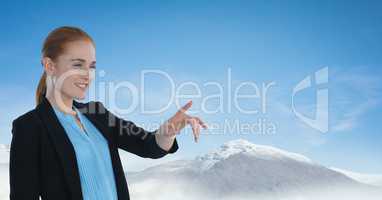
pixel 81 97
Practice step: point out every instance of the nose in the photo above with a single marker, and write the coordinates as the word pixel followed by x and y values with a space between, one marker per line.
pixel 87 74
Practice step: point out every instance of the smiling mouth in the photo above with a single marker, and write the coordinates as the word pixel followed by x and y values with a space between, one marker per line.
pixel 82 86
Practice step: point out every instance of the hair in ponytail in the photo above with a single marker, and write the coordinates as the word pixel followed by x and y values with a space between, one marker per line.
pixel 41 89
pixel 54 45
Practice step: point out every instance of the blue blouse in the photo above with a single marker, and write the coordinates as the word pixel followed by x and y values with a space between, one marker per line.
pixel 93 157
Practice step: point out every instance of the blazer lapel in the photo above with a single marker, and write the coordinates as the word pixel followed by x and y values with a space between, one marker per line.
pixel 64 147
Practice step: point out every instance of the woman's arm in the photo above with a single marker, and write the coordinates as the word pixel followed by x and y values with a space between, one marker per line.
pixel 135 139
pixel 24 177
pixel 164 140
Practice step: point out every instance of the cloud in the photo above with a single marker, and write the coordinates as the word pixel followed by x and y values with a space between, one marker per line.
pixel 356 91
pixel 350 119
pixel 165 189
pixel 133 163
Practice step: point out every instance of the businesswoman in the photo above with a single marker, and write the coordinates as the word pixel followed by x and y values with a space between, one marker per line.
pixel 64 149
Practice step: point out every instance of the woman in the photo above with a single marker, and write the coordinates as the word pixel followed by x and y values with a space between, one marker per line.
pixel 64 149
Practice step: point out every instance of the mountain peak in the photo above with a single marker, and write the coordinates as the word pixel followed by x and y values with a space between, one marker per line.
pixel 242 146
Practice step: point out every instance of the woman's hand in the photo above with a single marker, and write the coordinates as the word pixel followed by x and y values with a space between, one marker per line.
pixel 181 119
pixel 176 123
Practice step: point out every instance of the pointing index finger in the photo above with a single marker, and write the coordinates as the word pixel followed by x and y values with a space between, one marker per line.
pixel 186 107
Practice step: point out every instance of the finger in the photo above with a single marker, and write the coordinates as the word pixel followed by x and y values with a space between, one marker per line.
pixel 197 132
pixel 204 125
pixel 186 107
pixel 190 121
pixel 195 128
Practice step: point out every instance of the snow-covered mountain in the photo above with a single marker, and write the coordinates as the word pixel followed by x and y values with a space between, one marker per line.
pixel 370 179
pixel 240 168
pixel 244 147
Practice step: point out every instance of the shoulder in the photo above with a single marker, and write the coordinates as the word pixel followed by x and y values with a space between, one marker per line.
pixel 26 126
pixel 28 118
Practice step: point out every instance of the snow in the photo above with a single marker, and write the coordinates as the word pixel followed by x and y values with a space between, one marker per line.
pixel 243 146
pixel 238 169
pixel 371 179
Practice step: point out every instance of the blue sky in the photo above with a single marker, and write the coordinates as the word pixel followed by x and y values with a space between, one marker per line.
pixel 259 41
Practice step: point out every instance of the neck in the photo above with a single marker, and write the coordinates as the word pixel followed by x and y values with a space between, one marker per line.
pixel 61 101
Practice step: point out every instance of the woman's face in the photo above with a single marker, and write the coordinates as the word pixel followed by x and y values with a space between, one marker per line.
pixel 75 69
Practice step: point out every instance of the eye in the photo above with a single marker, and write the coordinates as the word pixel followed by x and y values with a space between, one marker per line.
pixel 93 67
pixel 77 65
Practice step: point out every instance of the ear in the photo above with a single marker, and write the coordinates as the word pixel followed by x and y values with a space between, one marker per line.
pixel 48 65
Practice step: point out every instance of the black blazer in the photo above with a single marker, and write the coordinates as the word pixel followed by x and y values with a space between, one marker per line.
pixel 42 158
